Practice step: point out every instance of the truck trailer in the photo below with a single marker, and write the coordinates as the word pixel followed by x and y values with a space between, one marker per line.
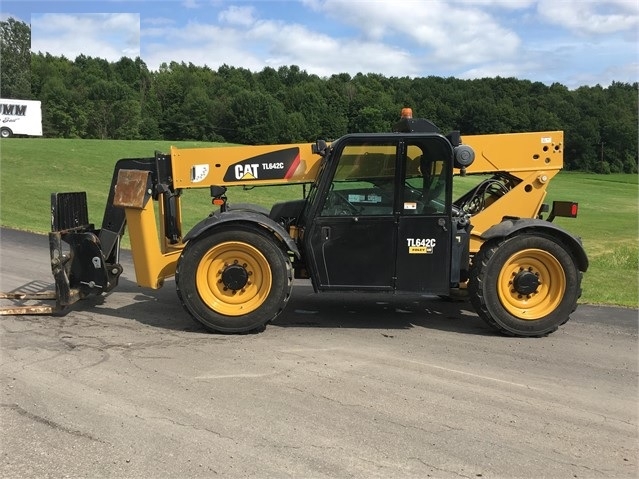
pixel 20 117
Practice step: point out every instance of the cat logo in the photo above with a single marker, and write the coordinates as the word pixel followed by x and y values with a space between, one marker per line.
pixel 246 172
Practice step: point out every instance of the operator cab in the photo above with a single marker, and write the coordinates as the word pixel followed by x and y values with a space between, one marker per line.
pixel 379 216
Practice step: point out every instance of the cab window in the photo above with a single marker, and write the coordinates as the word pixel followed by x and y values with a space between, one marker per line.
pixel 364 181
pixel 425 181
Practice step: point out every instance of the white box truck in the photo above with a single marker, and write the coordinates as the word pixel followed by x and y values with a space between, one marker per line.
pixel 20 117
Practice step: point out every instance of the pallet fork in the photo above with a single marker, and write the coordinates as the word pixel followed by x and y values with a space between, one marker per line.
pixel 78 263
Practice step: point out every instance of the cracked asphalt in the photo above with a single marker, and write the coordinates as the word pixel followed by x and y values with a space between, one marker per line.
pixel 340 386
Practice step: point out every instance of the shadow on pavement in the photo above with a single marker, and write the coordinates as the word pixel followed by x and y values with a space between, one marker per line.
pixel 306 309
pixel 162 309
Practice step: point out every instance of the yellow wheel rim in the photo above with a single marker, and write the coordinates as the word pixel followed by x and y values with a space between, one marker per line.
pixel 251 264
pixel 549 291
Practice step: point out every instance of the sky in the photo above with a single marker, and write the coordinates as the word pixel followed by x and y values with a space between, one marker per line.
pixel 572 42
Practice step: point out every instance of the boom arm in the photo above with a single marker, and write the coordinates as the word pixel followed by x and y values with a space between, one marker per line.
pixel 244 165
pixel 517 153
pixel 529 160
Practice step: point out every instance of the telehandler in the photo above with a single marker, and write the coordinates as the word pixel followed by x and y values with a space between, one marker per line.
pixel 377 215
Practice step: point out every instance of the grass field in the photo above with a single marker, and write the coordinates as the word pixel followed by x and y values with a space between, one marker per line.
pixel 30 169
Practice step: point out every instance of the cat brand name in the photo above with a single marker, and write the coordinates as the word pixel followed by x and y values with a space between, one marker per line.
pixel 252 170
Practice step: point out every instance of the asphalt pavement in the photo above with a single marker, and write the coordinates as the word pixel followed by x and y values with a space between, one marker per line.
pixel 340 385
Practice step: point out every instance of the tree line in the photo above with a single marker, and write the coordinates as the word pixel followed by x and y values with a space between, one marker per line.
pixel 94 98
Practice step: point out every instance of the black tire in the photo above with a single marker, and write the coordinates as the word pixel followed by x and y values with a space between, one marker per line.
pixel 525 285
pixel 234 280
pixel 5 133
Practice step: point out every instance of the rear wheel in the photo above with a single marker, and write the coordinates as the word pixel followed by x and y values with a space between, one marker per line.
pixel 526 285
pixel 234 280
pixel 5 133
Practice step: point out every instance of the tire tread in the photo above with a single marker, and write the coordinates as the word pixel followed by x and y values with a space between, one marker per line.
pixel 477 287
pixel 260 327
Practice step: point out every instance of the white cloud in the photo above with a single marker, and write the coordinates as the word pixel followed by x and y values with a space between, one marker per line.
pixel 591 17
pixel 190 4
pixel 477 38
pixel 506 4
pixel 463 38
pixel 459 34
pixel 271 43
pixel 241 16
pixel 323 55
pixel 605 76
pixel 105 35
pixel 547 40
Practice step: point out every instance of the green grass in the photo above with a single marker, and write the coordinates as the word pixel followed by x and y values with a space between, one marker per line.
pixel 608 223
pixel 30 169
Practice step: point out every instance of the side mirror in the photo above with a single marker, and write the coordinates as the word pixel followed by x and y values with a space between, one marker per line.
pixel 319 148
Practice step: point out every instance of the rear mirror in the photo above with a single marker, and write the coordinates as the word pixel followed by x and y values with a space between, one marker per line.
pixel 319 148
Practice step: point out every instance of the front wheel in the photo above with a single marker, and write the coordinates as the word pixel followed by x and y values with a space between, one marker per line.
pixel 234 280
pixel 5 133
pixel 525 285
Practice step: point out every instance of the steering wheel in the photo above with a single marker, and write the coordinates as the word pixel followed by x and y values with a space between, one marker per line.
pixel 340 205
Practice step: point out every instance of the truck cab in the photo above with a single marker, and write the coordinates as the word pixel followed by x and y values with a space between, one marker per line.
pixel 380 218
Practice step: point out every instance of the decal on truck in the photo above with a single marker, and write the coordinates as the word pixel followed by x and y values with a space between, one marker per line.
pixel 8 109
pixel 199 172
pixel 280 164
pixel 421 245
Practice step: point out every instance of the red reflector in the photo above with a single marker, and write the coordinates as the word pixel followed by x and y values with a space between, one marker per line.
pixel 574 209
pixel 218 201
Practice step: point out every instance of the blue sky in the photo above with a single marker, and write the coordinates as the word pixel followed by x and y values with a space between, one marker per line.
pixel 577 42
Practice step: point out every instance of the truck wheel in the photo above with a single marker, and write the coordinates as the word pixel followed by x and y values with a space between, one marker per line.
pixel 5 133
pixel 526 285
pixel 234 280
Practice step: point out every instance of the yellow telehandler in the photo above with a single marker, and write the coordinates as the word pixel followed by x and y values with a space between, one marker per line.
pixel 377 215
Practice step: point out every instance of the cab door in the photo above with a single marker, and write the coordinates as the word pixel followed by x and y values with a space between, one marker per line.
pixel 353 236
pixel 424 226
